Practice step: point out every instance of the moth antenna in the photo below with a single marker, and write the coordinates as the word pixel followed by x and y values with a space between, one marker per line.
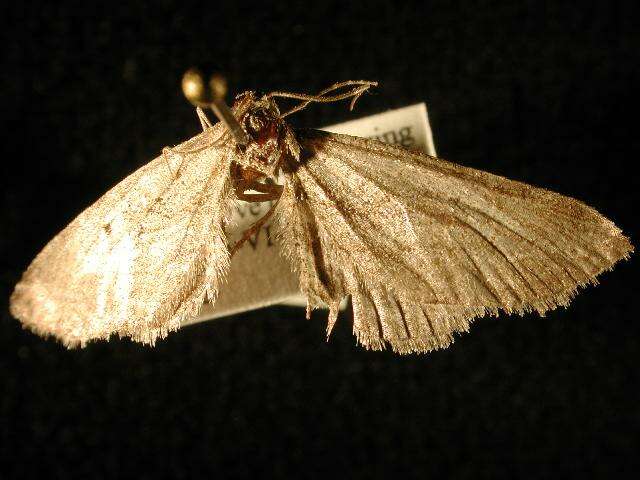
pixel 359 87
pixel 211 94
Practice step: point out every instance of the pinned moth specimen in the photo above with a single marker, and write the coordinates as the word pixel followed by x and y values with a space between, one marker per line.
pixel 420 245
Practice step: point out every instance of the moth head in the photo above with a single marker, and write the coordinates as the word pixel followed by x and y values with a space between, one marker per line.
pixel 270 137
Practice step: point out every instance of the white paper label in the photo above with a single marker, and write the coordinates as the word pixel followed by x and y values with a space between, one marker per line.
pixel 408 127
pixel 259 276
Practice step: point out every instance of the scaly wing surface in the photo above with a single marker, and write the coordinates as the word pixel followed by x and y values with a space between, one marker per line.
pixel 140 260
pixel 423 246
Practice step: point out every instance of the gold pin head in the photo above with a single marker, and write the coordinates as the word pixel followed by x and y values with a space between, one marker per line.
pixel 194 89
pixel 218 86
pixel 201 93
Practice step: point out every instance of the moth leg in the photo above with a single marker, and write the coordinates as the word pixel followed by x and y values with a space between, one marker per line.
pixel 267 192
pixel 253 229
pixel 204 120
pixel 258 197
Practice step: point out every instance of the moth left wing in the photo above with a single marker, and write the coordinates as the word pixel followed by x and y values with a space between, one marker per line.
pixel 423 246
pixel 141 259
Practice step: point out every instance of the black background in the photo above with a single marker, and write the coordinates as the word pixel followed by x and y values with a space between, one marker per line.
pixel 540 93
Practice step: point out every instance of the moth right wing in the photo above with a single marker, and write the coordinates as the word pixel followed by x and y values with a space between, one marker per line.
pixel 141 259
pixel 423 246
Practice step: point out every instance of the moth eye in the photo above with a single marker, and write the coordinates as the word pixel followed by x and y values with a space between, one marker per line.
pixel 256 124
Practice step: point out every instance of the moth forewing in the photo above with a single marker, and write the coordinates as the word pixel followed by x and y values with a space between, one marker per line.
pixel 423 246
pixel 140 260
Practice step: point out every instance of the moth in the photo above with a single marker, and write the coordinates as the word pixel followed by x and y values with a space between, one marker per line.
pixel 420 245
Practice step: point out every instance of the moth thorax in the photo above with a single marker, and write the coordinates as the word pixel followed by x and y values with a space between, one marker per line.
pixel 266 147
